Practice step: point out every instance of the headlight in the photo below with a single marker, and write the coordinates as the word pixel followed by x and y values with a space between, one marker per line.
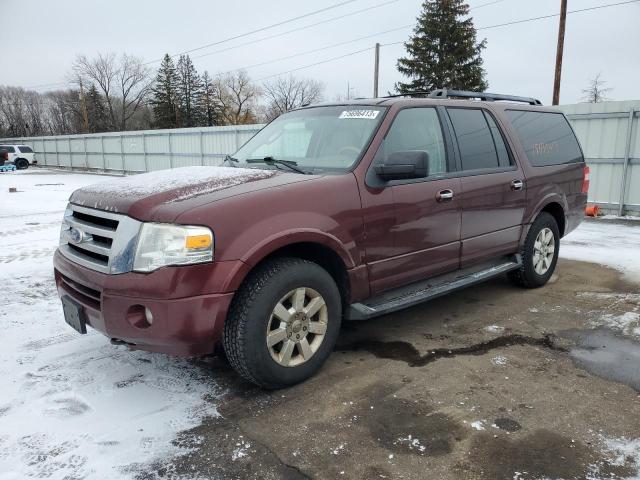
pixel 161 244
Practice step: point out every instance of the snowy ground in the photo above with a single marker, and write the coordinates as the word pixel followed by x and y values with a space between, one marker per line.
pixel 77 407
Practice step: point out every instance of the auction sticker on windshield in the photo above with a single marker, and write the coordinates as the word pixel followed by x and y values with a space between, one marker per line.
pixel 369 114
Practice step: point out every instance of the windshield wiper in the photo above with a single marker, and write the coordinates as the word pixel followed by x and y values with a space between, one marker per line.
pixel 290 164
pixel 230 159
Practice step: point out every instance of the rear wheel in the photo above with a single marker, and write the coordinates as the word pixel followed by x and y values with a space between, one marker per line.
pixel 283 322
pixel 539 254
pixel 22 164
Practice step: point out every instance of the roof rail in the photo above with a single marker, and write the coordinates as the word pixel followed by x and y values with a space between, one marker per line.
pixel 408 94
pixel 485 96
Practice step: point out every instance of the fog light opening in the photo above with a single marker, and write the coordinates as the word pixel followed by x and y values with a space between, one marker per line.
pixel 139 316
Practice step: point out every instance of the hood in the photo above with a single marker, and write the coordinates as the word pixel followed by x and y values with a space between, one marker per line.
pixel 164 194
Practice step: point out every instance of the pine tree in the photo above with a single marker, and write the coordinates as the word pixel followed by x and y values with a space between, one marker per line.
pixel 189 93
pixel 208 103
pixel 96 111
pixel 165 95
pixel 442 52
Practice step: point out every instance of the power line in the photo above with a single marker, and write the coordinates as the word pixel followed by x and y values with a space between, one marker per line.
pixel 543 17
pixel 304 27
pixel 481 28
pixel 261 29
pixel 317 63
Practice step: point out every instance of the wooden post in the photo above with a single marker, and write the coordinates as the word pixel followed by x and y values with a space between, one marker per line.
pixel 559 51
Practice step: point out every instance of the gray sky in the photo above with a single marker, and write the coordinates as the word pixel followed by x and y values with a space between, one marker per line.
pixel 519 59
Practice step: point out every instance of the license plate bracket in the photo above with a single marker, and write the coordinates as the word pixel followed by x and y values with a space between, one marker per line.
pixel 74 314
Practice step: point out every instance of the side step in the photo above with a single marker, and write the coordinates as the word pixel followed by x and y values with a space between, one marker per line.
pixel 424 290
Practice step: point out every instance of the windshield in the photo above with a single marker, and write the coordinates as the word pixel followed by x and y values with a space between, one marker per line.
pixel 331 138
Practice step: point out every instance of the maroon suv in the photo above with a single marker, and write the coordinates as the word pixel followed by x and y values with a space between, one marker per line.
pixel 333 211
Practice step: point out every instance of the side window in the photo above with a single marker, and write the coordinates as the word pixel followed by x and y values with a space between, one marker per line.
pixel 477 147
pixel 418 129
pixel 546 137
pixel 8 148
pixel 503 154
pixel 25 149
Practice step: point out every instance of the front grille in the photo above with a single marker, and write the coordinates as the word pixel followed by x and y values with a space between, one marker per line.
pixel 98 239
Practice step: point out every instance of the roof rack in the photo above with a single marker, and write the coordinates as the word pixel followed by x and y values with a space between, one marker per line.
pixel 487 97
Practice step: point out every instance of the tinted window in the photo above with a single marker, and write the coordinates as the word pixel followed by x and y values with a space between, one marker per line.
pixel 418 129
pixel 546 137
pixel 477 147
pixel 8 148
pixel 503 154
pixel 25 149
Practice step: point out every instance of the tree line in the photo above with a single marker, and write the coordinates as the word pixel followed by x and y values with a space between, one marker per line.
pixel 109 93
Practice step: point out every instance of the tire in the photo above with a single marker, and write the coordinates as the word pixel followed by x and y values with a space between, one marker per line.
pixel 530 275
pixel 22 164
pixel 252 318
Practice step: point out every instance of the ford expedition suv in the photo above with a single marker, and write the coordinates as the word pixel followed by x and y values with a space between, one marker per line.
pixel 331 212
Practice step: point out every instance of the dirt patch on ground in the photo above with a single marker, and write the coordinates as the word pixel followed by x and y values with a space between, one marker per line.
pixel 475 385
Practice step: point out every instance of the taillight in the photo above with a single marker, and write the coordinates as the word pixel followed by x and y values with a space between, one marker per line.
pixel 585 180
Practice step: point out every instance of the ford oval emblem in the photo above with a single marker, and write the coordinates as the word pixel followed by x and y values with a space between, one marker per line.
pixel 75 235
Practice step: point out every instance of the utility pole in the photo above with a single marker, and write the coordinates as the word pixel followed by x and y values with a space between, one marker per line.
pixel 376 68
pixel 558 74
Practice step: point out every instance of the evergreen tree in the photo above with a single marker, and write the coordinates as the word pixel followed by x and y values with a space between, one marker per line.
pixel 189 93
pixel 165 95
pixel 96 111
pixel 208 103
pixel 442 52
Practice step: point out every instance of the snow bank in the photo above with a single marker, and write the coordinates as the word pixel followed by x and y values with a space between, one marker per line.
pixel 613 244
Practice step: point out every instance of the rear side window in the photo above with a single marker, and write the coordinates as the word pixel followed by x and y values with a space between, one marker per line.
pixel 8 148
pixel 25 149
pixel 479 140
pixel 546 137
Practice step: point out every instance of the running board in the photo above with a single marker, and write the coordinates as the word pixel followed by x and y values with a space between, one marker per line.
pixel 425 290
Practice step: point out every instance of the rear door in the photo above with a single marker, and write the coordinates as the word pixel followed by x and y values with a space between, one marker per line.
pixel 493 186
pixel 417 234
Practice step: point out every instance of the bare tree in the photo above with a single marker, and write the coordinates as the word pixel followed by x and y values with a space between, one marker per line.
pixel 124 82
pixel 286 93
pixel 596 92
pixel 238 97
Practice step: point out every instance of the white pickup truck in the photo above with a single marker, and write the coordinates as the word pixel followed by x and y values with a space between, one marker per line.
pixel 20 155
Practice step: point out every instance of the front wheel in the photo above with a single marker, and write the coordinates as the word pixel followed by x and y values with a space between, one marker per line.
pixel 539 254
pixel 22 164
pixel 283 322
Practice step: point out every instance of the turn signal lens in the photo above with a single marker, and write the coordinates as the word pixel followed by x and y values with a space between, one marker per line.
pixel 198 241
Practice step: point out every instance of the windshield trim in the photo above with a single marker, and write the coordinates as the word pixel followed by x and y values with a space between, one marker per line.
pixel 365 148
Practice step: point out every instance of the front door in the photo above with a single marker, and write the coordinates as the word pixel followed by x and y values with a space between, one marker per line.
pixel 413 226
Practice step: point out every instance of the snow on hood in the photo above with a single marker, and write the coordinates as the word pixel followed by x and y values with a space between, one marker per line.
pixel 181 183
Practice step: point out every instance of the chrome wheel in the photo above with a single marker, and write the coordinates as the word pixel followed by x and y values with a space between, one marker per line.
pixel 297 327
pixel 543 251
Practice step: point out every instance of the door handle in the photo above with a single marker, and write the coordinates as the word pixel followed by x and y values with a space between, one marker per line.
pixel 444 195
pixel 517 185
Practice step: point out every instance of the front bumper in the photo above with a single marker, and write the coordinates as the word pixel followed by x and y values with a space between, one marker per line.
pixel 187 318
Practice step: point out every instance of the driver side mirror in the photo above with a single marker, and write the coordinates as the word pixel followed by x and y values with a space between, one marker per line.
pixel 404 165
